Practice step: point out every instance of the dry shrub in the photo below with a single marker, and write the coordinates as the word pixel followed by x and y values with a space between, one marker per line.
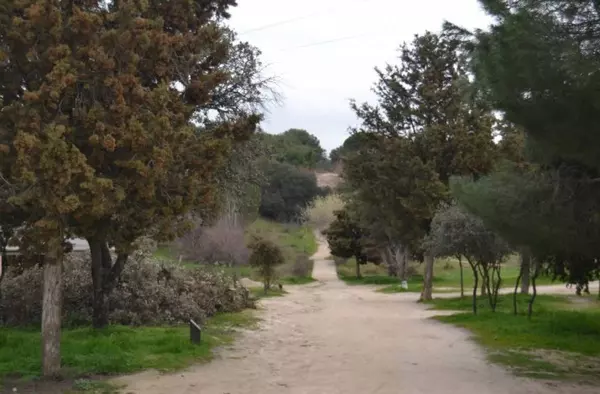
pixel 149 293
pixel 319 214
pixel 224 242
pixel 302 267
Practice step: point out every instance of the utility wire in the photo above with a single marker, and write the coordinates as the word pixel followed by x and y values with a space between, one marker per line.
pixel 325 42
pixel 292 20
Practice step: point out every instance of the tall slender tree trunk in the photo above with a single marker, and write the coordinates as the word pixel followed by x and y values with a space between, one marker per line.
pixel 105 276
pixel 51 316
pixel 3 264
pixel 515 311
pixel 525 270
pixel 462 277
pixel 427 292
pixel 536 272
pixel 358 274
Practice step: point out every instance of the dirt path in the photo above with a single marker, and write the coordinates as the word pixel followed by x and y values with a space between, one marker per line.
pixel 329 338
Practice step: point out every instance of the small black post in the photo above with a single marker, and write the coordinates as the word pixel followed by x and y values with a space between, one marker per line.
pixel 195 332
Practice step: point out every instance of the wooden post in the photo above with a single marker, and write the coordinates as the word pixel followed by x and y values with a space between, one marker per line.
pixel 195 332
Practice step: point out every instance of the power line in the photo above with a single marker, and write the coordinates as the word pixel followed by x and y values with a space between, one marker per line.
pixel 292 20
pixel 325 42
pixel 280 23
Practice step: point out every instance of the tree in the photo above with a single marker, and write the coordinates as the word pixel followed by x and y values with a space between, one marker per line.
pixel 265 256
pixel 96 125
pixel 347 239
pixel 287 192
pixel 454 233
pixel 428 109
pixel 296 147
pixel 538 66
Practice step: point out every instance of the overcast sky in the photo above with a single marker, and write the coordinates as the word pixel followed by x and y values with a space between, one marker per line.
pixel 318 78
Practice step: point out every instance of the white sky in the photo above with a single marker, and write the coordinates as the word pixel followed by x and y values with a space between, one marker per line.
pixel 317 81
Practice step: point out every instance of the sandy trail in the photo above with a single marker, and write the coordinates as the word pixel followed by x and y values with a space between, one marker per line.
pixel 329 338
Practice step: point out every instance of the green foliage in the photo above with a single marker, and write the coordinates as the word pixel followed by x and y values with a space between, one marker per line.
pixel 119 349
pixel 351 144
pixel 347 239
pixel 295 147
pixel 539 65
pixel 287 192
pixel 265 257
pixel 427 126
pixel 98 140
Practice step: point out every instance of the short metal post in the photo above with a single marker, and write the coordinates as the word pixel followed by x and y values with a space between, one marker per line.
pixel 195 332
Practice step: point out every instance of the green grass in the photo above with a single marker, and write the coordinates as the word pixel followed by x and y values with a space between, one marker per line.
pixel 93 387
pixel 446 276
pixel 118 349
pixel 562 340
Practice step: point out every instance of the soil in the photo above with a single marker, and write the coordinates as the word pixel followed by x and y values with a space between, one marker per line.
pixel 330 338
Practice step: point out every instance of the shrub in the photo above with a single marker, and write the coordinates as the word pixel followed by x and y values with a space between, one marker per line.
pixel 287 192
pixel 224 242
pixel 266 256
pixel 149 293
pixel 302 267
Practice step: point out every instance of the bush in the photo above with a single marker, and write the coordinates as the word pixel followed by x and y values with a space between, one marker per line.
pixel 224 242
pixel 287 192
pixel 149 293
pixel 266 256
pixel 302 267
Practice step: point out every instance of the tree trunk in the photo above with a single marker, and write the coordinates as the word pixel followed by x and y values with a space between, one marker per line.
pixel 389 262
pixel 358 275
pixel 534 287
pixel 3 264
pixel 51 317
pixel 475 284
pixel 462 278
pixel 525 269
pixel 105 276
pixel 516 289
pixel 427 292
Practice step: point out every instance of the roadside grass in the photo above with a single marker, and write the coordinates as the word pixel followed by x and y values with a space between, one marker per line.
pixel 118 349
pixel 297 242
pixel 561 341
pixel 94 387
pixel 446 276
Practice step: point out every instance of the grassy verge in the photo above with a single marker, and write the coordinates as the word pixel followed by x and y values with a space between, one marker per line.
pixel 446 276
pixel 561 341
pixel 118 349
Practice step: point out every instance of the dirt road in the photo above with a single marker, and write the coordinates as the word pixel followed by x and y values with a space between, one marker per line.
pixel 329 338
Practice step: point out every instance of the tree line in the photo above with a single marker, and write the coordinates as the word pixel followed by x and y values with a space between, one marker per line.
pixel 482 144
